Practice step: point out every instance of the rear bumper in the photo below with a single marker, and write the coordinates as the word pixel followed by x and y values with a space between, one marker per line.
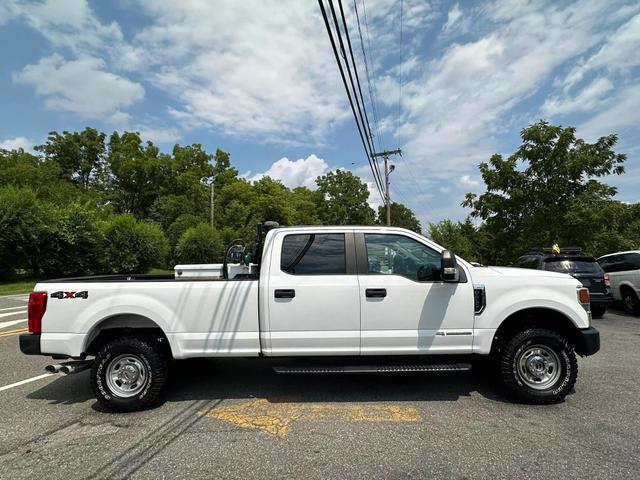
pixel 588 341
pixel 30 344
pixel 601 298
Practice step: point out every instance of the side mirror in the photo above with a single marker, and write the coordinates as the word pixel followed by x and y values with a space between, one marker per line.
pixel 449 266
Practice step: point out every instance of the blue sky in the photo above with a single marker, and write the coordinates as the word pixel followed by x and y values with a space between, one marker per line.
pixel 258 79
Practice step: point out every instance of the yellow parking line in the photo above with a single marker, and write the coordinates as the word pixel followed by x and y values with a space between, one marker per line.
pixel 277 418
pixel 9 333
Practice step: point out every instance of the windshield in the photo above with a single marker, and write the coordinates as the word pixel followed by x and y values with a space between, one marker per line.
pixel 572 266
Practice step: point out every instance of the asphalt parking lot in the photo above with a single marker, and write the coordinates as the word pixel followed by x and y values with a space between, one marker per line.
pixel 238 419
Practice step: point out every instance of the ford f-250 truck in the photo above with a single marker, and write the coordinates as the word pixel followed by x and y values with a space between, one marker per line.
pixel 366 299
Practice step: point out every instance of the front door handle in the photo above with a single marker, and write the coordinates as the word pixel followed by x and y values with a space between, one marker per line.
pixel 376 292
pixel 284 293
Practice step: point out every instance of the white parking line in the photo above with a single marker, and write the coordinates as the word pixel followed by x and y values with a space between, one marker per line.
pixel 11 308
pixel 12 322
pixel 12 313
pixel 28 380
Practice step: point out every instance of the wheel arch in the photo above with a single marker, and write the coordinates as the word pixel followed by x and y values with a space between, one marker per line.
pixel 537 317
pixel 123 324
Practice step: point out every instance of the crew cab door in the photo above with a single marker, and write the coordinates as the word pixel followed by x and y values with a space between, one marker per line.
pixel 312 295
pixel 405 307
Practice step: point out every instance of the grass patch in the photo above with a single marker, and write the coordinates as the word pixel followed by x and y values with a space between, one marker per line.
pixel 23 285
pixel 160 271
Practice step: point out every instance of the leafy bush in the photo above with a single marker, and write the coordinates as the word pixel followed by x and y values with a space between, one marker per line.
pixel 200 244
pixel 131 246
pixel 72 242
pixel 22 223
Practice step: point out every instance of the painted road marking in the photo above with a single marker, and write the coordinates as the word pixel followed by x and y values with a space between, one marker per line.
pixel 13 308
pixel 28 380
pixel 12 322
pixel 12 313
pixel 276 418
pixel 10 333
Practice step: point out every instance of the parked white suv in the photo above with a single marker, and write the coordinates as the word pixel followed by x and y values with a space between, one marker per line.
pixel 624 274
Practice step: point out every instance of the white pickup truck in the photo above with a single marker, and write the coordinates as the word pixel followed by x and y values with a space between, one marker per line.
pixel 322 300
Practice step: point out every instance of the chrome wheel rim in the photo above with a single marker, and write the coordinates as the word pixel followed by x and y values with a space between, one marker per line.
pixel 538 367
pixel 127 375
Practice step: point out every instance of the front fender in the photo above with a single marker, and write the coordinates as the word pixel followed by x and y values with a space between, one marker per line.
pixel 508 301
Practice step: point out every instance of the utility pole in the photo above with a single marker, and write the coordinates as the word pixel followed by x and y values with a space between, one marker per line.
pixel 385 155
pixel 211 202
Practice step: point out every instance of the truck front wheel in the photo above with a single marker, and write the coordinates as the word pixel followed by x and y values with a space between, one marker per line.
pixel 538 366
pixel 129 373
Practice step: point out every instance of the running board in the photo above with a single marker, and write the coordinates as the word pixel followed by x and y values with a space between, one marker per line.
pixel 441 367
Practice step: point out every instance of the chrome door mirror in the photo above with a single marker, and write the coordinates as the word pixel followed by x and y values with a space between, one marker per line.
pixel 449 267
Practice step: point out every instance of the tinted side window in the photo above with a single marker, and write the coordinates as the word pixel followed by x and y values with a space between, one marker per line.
pixel 313 254
pixel 610 264
pixel 627 262
pixel 528 261
pixel 399 255
pixel 634 260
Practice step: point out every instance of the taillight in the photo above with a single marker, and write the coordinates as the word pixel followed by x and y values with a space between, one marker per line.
pixel 35 311
pixel 607 282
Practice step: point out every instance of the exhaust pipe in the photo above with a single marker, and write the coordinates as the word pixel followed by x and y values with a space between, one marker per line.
pixel 53 368
pixel 68 368
pixel 75 367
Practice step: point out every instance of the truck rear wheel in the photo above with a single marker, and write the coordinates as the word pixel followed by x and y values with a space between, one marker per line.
pixel 129 373
pixel 538 366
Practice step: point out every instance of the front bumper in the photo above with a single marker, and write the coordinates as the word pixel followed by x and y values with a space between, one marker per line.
pixel 30 344
pixel 587 341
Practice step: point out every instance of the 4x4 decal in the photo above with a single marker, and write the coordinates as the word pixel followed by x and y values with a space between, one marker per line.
pixel 62 295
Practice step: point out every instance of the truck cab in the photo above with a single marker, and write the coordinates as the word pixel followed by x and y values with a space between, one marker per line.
pixel 345 295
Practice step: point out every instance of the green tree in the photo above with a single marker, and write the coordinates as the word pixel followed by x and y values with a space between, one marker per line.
pixel 344 199
pixel 138 173
pixel 131 245
pixel 464 239
pixel 401 216
pixel 200 244
pixel 80 155
pixel 24 170
pixel 529 194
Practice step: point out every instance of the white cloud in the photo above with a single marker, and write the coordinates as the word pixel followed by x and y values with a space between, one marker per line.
pixel 620 52
pixel 455 110
pixel 157 134
pixel 70 24
pixel 590 98
pixel 455 14
pixel 17 143
pixel 252 70
pixel 623 111
pixel 297 173
pixel 82 87
pixel 467 181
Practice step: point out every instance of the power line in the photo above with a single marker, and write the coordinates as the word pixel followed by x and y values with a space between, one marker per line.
pixel 346 86
pixel 373 95
pixel 357 94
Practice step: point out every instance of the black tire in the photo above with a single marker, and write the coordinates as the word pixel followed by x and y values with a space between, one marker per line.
pixel 598 311
pixel 630 303
pixel 557 349
pixel 145 354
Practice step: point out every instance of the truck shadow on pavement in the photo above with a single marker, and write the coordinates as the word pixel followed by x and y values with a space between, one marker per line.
pixel 208 379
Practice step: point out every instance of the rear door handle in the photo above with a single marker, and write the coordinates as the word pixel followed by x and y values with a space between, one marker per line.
pixel 376 292
pixel 284 293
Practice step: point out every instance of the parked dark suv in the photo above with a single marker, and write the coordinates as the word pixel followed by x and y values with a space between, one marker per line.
pixel 580 266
